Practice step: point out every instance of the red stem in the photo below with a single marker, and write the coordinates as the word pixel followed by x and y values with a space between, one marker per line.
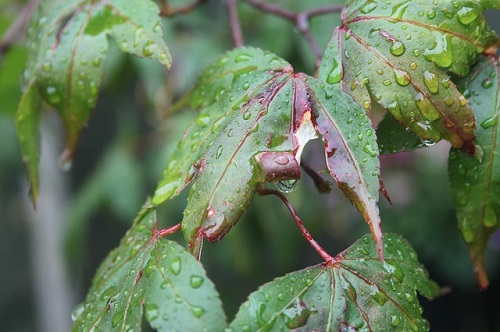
pixel 167 10
pixel 235 23
pixel 167 231
pixel 322 252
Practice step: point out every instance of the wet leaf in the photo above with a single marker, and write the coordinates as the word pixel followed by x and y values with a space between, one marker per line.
pixel 355 293
pixel 68 43
pixel 151 276
pixel 475 180
pixel 252 107
pixel 400 56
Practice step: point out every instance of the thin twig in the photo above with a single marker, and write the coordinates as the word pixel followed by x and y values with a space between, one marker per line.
pixel 16 30
pixel 167 11
pixel 235 23
pixel 322 185
pixel 322 252
pixel 300 20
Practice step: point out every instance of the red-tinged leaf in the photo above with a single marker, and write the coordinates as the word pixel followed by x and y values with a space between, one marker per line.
pixel 399 56
pixel 152 277
pixel 354 293
pixel 351 151
pixel 255 112
pixel 68 44
pixel 475 180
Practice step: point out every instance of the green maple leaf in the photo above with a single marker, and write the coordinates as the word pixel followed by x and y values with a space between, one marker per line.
pixel 475 180
pixel 400 56
pixel 68 43
pixel 354 293
pixel 151 276
pixel 255 117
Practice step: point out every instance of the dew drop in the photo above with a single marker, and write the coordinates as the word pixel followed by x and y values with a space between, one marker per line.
pixel 175 265
pixel 335 75
pixel 490 122
pixel 368 7
pixel 197 311
pixel 116 319
pixel 379 297
pixel 52 95
pixel 487 83
pixel 402 77
pixel 246 85
pixel 431 82
pixel 441 54
pixel 413 65
pixel 202 120
pixel 47 66
pixel 431 14
pixel 467 15
pixel 242 57
pixel 386 82
pixel 196 281
pixel 370 150
pixel 247 115
pixel 397 48
pixel 219 152
pixel 395 320
pixel 367 104
pixel 287 186
pixel 426 108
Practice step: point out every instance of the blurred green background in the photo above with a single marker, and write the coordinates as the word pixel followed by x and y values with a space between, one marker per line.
pixel 48 258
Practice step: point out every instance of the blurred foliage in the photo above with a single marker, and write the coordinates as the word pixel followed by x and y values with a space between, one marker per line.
pixel 132 127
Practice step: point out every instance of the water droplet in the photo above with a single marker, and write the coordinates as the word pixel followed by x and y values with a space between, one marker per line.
pixel 367 104
pixel 449 101
pixel 47 66
pixel 246 85
pixel 196 281
pixel 287 186
pixel 402 77
pixel 397 48
pixel 431 82
pixel 425 106
pixel 335 75
pixel 490 122
pixel 151 310
pixel 395 320
pixel 197 311
pixel 394 270
pixel 487 83
pixel 467 15
pixel 52 95
pixel 413 65
pixel 490 216
pixel 148 49
pixel 462 101
pixel 431 14
pixel 386 82
pixel 219 152
pixel 296 315
pixel 281 297
pixel 202 120
pixel 441 54
pixel 368 7
pixel 242 57
pixel 370 150
pixel 379 297
pixel 379 71
pixel 247 115
pixel 175 265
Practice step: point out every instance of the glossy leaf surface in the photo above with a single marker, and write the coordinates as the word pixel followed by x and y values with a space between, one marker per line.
pixel 251 103
pixel 475 180
pixel 151 276
pixel 400 57
pixel 68 43
pixel 355 293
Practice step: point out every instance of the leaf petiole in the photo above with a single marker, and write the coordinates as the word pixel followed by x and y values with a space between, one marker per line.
pixel 263 191
pixel 167 231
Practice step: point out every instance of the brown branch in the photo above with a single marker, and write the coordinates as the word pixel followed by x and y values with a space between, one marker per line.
pixel 322 252
pixel 235 23
pixel 18 27
pixel 168 11
pixel 300 20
